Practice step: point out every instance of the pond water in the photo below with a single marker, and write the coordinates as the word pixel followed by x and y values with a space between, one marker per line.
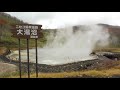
pixel 50 56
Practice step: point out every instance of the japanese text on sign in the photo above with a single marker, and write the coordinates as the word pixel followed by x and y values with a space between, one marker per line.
pixel 27 31
pixel 26 27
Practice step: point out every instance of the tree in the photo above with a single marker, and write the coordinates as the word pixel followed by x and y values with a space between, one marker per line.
pixel 2 23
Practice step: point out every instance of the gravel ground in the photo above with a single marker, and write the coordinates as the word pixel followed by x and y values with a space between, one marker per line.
pixel 6 68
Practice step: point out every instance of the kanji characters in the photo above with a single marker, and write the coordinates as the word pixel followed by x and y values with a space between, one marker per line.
pixel 33 36
pixel 17 26
pixel 33 32
pixel 20 32
pixel 26 31
pixel 26 26
pixel 36 27
pixel 29 27
pixel 33 27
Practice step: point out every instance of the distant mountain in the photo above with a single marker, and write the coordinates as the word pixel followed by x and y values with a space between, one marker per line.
pixel 6 20
pixel 113 30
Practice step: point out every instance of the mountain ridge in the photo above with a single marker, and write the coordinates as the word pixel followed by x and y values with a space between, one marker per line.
pixel 6 20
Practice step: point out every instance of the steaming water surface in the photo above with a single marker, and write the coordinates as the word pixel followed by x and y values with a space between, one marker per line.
pixel 50 56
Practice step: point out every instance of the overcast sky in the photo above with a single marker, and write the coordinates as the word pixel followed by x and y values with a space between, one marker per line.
pixel 59 19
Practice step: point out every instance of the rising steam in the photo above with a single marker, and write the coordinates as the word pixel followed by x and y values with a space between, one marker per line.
pixel 67 46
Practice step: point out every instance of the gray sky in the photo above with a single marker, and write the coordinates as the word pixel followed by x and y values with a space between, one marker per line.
pixel 59 19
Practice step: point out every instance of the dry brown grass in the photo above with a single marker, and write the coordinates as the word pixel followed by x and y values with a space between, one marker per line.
pixel 109 49
pixel 92 73
pixel 2 50
pixel 109 70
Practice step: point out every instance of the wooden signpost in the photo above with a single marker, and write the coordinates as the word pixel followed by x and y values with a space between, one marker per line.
pixel 27 31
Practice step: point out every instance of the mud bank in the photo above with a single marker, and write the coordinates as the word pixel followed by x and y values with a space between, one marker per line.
pixel 76 66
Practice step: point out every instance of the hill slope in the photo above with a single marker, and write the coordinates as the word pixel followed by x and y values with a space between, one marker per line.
pixel 114 32
pixel 5 35
pixel 6 40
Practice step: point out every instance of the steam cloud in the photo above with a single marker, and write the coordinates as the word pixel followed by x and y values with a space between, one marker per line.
pixel 67 46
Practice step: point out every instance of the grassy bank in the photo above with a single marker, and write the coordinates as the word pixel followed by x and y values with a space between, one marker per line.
pixel 90 73
pixel 107 49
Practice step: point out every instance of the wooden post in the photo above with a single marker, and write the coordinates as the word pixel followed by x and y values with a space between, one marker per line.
pixel 36 59
pixel 19 59
pixel 28 57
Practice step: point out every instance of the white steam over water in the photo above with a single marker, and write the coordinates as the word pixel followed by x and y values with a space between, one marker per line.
pixel 68 47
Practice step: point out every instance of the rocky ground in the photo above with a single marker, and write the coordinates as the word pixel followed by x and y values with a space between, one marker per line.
pixel 76 66
pixel 7 68
pixel 100 63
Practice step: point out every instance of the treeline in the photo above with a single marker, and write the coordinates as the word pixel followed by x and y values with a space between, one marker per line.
pixel 6 21
pixel 10 19
pixel 5 24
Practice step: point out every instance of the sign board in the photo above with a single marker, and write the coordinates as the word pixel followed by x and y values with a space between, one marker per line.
pixel 27 31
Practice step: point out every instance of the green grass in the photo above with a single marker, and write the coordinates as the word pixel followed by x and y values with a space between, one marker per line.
pixel 108 49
